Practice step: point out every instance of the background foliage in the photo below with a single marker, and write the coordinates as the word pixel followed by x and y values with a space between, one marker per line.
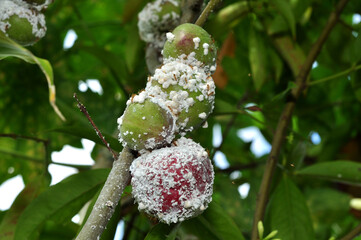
pixel 262 45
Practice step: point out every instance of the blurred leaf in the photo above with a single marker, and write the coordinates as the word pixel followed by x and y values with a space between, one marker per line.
pixel 26 196
pixel 285 8
pixel 162 231
pixel 214 223
pixel 288 212
pixel 339 171
pixel 74 191
pixel 9 48
pixel 258 60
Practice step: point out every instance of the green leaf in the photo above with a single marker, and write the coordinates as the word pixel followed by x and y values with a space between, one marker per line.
pixel 89 133
pixel 61 201
pixel 214 223
pixel 258 60
pixel 288 213
pixel 285 8
pixel 162 231
pixel 338 171
pixel 9 48
pixel 31 191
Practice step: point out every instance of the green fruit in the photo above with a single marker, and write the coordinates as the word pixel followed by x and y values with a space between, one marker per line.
pixel 187 91
pixel 194 115
pixel 188 38
pixel 156 18
pixel 146 125
pixel 21 24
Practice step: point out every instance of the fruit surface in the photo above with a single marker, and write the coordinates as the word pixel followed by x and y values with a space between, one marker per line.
pixel 145 125
pixel 173 183
pixel 188 38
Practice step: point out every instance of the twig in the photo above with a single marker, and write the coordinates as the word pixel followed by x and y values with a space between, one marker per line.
pixel 347 71
pixel 285 117
pixel 85 112
pixel 354 233
pixel 191 10
pixel 204 15
pixel 108 198
pixel 16 136
pixel 229 125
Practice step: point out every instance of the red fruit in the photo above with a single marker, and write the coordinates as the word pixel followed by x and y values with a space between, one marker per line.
pixel 173 183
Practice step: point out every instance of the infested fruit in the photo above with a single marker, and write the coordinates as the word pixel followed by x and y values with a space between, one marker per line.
pixel 187 91
pixel 173 183
pixel 36 2
pixel 23 25
pixel 156 18
pixel 190 38
pixel 145 125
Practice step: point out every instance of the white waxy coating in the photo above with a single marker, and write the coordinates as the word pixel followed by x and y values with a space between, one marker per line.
pixel 196 41
pixel 22 10
pixel 151 26
pixel 173 183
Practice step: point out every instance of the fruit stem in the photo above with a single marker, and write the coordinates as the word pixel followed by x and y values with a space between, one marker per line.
pixel 108 198
pixel 284 120
pixel 204 15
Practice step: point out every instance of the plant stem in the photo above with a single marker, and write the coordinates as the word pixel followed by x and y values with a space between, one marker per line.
pixel 337 75
pixel 354 233
pixel 204 15
pixel 285 117
pixel 100 135
pixel 108 198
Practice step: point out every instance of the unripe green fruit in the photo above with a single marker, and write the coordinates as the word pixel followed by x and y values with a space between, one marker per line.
pixel 188 38
pixel 156 18
pixel 187 91
pixel 21 31
pixel 146 125
pixel 23 25
pixel 195 114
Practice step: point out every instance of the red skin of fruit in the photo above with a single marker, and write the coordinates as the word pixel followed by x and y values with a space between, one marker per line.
pixel 173 184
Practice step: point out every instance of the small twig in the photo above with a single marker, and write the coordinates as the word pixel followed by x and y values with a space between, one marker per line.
pixel 108 198
pixel 204 15
pixel 353 233
pixel 16 136
pixel 285 117
pixel 229 125
pixel 85 112
pixel 337 75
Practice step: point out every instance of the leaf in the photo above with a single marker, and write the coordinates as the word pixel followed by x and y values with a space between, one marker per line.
pixel 31 191
pixel 285 8
pixel 54 203
pixel 338 171
pixel 288 213
pixel 89 133
pixel 214 223
pixel 162 231
pixel 9 48
pixel 258 60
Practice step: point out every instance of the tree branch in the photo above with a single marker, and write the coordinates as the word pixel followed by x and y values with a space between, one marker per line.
pixel 108 198
pixel 354 233
pixel 285 117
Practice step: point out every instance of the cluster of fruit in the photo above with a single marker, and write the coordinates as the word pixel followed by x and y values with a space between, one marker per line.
pixel 22 20
pixel 172 179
